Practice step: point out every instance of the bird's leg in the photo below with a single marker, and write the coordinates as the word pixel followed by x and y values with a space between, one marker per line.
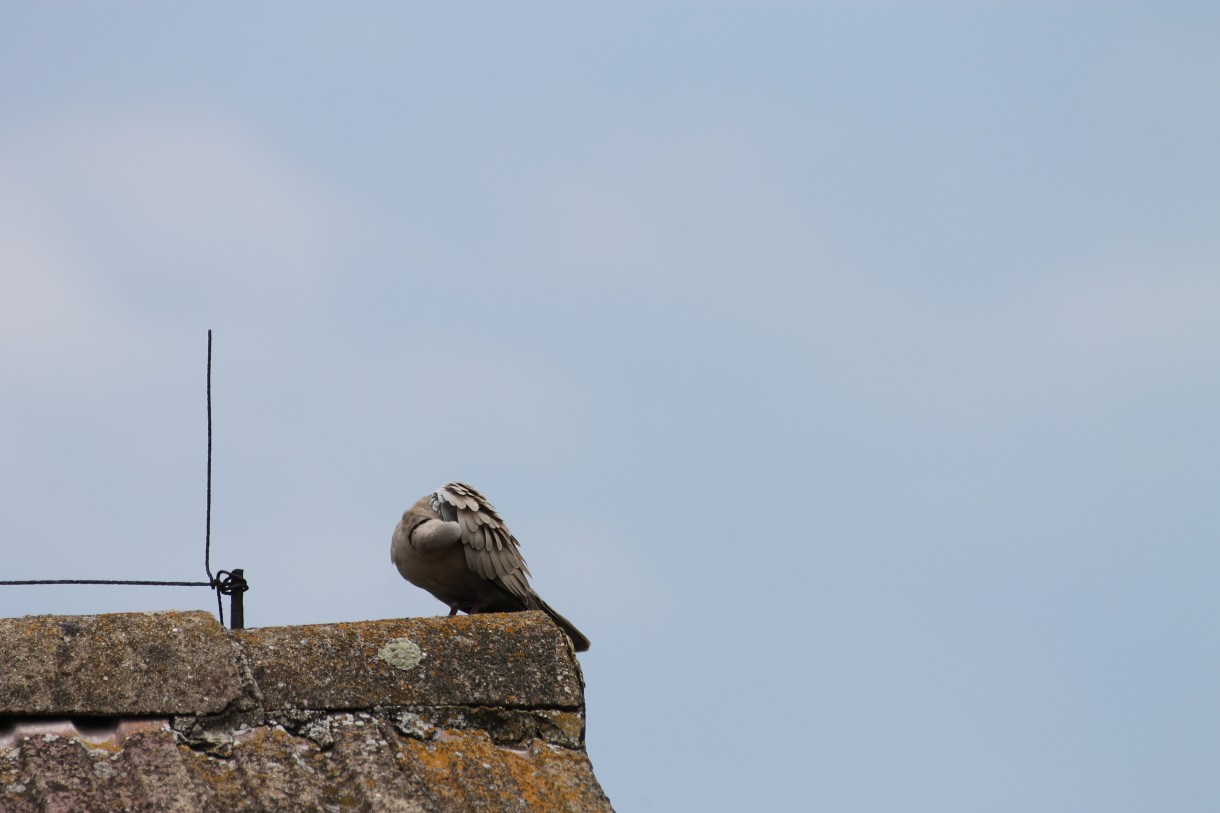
pixel 453 610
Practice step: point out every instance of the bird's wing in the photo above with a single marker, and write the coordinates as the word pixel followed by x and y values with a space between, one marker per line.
pixel 491 549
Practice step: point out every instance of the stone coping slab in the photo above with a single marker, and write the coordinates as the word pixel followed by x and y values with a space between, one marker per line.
pixel 180 663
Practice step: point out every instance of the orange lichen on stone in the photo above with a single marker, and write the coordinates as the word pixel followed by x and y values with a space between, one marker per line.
pixel 169 711
pixel 469 772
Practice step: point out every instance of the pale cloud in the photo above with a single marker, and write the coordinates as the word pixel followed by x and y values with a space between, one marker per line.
pixel 52 315
pixel 187 197
pixel 1119 321
pixel 113 229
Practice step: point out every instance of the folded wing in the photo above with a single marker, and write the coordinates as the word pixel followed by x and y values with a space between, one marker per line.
pixel 490 547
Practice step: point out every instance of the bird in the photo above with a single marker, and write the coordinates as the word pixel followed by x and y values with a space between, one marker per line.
pixel 453 544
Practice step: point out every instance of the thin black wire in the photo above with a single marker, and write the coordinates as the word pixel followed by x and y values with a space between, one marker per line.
pixel 207 531
pixel 207 528
pixel 108 581
pixel 212 581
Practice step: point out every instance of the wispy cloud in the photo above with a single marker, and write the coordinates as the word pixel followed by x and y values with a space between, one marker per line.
pixel 99 214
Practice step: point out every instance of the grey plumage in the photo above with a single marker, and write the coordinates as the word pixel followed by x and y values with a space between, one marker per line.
pixel 453 544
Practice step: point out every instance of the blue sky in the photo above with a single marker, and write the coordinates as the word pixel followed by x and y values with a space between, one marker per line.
pixel 848 371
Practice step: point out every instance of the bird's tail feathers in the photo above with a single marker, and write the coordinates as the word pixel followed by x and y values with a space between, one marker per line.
pixel 579 642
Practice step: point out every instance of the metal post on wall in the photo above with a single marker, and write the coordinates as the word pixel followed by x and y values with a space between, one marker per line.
pixel 234 585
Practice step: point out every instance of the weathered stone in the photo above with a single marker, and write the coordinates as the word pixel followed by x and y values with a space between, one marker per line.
pixel 416 715
pixel 123 664
pixel 495 659
pixel 513 726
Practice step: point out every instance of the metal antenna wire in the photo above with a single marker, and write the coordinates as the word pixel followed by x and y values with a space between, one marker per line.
pixel 207 531
pixel 233 583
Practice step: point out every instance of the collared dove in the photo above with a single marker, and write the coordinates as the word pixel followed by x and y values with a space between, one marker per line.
pixel 453 544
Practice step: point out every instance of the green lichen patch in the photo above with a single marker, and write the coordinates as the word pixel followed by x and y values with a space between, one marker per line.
pixel 401 653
